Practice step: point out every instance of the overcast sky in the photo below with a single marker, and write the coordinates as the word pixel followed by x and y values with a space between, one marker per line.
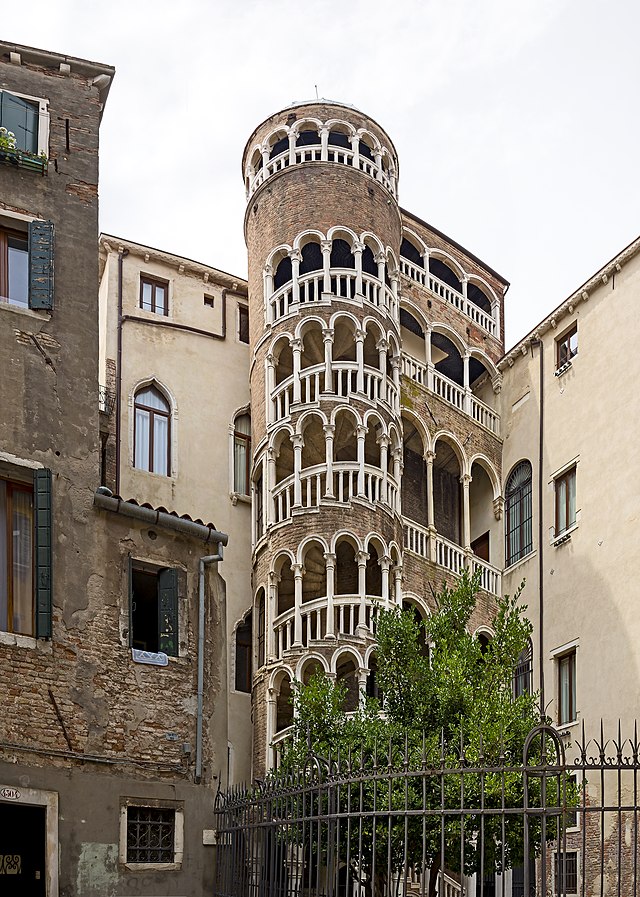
pixel 516 121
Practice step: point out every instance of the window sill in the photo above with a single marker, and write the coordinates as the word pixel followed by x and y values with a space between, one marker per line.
pixel 563 369
pixel 26 161
pixel 520 562
pixel 16 640
pixel 564 536
pixel 236 497
pixel 152 867
pixel 562 727
pixel 38 314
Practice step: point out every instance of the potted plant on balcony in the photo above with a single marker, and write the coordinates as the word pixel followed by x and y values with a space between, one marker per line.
pixel 10 154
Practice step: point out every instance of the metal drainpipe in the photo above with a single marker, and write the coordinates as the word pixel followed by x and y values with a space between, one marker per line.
pixel 121 255
pixel 540 346
pixel 208 559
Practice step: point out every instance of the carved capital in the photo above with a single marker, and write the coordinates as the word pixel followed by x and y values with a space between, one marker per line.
pixel 295 255
pixel 327 334
pixel 326 245
pixel 329 430
pixel 362 557
pixel 498 507
pixel 382 345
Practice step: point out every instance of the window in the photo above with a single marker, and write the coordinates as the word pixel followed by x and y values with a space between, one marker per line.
pixel 567 688
pixel 261 629
pixel 151 833
pixel 151 432
pixel 243 323
pixel 567 347
pixel 209 301
pixel 241 454
pixel 153 608
pixel 565 487
pixel 26 264
pixel 27 119
pixel 154 295
pixel 244 634
pixel 25 553
pixel 522 676
pixel 566 872
pixel 518 511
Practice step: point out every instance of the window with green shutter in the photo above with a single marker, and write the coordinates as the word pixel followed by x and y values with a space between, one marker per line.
pixel 153 609
pixel 41 264
pixel 26 263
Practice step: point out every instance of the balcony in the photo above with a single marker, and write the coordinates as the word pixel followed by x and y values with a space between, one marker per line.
pixel 348 481
pixel 343 284
pixel 349 616
pixel 451 393
pixel 435 548
pixel 451 296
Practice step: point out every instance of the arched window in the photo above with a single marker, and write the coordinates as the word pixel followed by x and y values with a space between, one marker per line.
pixel 151 432
pixel 241 454
pixel 522 684
pixel 518 513
pixel 243 654
pixel 261 629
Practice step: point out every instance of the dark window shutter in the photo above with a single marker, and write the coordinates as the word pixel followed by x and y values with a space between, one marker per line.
pixel 130 587
pixel 42 507
pixel 168 612
pixel 41 264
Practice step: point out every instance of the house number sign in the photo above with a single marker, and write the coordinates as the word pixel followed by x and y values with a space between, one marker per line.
pixel 10 794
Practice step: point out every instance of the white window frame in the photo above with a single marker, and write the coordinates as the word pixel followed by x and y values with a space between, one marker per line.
pixel 559 538
pixel 178 834
pixel 557 654
pixel 43 118
pixel 233 495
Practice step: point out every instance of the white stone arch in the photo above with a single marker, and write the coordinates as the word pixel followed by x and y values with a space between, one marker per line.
pixel 395 436
pixel 305 324
pixel 372 649
pixel 392 260
pixel 483 629
pixel 379 543
pixel 278 434
pixel 310 657
pixel 485 286
pixel 162 388
pixel 312 412
pixel 275 348
pixel 394 345
pixel 300 125
pixel 456 445
pixel 304 545
pixel 346 651
pixel 412 237
pixel 272 138
pixel 373 143
pixel 374 413
pixel 427 441
pixel 482 356
pixel 483 462
pixel 446 257
pixel 416 312
pixel 373 323
pixel 336 316
pixel 374 242
pixel 276 255
pixel 345 534
pixel 282 555
pixel 419 602
pixel 342 232
pixel 301 239
pixel 395 550
pixel 277 675
pixel 451 334
pixel 336 124
pixel 346 409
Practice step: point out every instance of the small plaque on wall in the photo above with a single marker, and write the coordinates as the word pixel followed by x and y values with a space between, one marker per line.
pixel 155 658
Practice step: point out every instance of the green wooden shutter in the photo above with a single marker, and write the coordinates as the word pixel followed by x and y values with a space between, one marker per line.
pixel 168 612
pixel 42 509
pixel 41 264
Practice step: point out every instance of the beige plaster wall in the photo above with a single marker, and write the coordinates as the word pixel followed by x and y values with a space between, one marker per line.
pixel 591 415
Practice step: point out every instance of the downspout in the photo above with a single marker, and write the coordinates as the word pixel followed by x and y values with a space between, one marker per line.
pixel 204 561
pixel 539 344
pixel 121 255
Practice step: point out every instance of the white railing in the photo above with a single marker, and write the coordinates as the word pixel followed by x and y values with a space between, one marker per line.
pixel 451 393
pixel 313 153
pixel 451 296
pixel 343 283
pixel 449 555
pixel 347 614
pixel 311 383
pixel 417 883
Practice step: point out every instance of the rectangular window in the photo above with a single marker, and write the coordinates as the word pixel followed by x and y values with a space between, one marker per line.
pixel 572 796
pixel 243 323
pixel 209 301
pixel 25 554
pixel 26 264
pixel 27 119
pixel 567 688
pixel 567 347
pixel 154 295
pixel 151 835
pixel 153 608
pixel 566 872
pixel 242 454
pixel 565 488
pixel 244 634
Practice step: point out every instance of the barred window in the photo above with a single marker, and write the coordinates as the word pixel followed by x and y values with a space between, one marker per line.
pixel 518 516
pixel 566 872
pixel 150 835
pixel 522 684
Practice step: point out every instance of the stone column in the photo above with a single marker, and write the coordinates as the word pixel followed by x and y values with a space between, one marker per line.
pixel 325 246
pixel 271 483
pixel 270 385
pixel 267 282
pixel 395 371
pixel 362 685
pixel 298 573
pixel 292 147
pixel 296 352
pixel 383 347
pixel 385 566
pixel 355 149
pixel 272 699
pixel 271 614
pixel 465 479
pixel 360 336
pixel 324 144
pixel 296 257
pixel 330 566
pixel 429 458
pixel 327 339
pixel 464 282
pixel 397 585
pixel 378 157
pixel 465 383
pixel 297 441
pixel 265 157
pixel 329 431
pixel 428 358
pixel 361 432
pixel 362 557
pixel 383 441
pixel 357 250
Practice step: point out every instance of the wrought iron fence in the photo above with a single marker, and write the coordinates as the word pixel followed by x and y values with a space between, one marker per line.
pixel 404 821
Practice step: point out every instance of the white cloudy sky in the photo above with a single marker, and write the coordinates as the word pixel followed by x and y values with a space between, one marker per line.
pixel 516 121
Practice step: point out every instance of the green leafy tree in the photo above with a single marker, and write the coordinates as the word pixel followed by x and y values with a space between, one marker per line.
pixel 451 707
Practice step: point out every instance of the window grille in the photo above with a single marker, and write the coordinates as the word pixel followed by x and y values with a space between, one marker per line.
pixel 150 835
pixel 518 514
